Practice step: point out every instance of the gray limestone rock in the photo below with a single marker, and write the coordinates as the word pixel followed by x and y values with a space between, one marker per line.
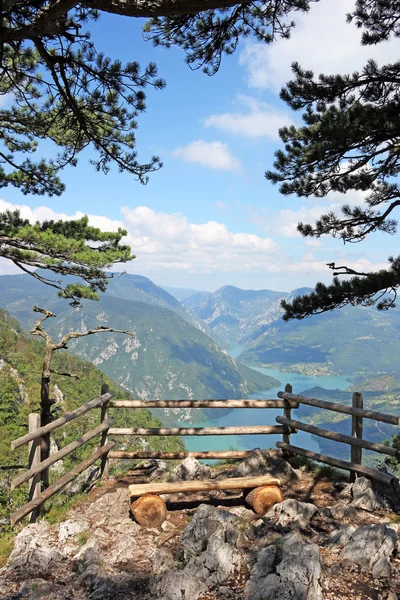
pixel 190 469
pixel 210 553
pixel 368 544
pixel 71 528
pixel 364 494
pixel 83 481
pixel 382 568
pixel 35 588
pixel 341 510
pixel 341 536
pixel 294 570
pixel 260 462
pixel 292 513
pixel 33 554
pixel 206 522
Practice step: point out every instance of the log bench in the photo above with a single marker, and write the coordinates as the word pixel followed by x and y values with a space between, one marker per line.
pixel 150 510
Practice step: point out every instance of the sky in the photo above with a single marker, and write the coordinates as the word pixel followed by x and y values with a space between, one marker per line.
pixel 209 217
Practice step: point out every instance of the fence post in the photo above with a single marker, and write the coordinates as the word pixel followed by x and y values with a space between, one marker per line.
pixel 356 432
pixel 287 412
pixel 105 466
pixel 34 459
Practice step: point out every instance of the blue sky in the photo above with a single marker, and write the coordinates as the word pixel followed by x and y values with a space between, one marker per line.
pixel 209 217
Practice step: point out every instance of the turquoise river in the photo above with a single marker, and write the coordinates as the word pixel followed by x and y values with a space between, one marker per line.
pixel 246 416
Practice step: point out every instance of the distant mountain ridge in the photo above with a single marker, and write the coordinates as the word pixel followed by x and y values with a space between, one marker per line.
pixel 168 357
pixel 234 315
pixel 354 341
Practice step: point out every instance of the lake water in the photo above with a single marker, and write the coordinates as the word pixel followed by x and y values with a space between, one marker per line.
pixel 259 416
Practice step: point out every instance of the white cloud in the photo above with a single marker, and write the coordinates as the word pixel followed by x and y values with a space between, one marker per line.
pixel 321 41
pixel 261 121
pixel 44 213
pixel 172 250
pixel 285 221
pixel 215 155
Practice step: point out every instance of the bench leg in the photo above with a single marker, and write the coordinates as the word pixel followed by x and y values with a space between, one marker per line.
pixel 149 511
pixel 261 499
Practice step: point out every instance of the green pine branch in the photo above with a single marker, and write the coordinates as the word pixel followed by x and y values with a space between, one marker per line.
pixel 65 248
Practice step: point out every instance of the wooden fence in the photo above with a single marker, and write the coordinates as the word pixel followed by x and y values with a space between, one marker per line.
pixel 286 426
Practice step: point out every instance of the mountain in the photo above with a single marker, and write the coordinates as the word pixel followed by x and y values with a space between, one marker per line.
pixel 182 294
pixel 167 357
pixel 354 341
pixel 195 300
pixel 234 315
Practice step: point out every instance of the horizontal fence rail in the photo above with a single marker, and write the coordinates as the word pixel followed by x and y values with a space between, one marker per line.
pixel 339 437
pixel 342 464
pixel 218 454
pixel 341 408
pixel 188 431
pixel 74 414
pixel 239 403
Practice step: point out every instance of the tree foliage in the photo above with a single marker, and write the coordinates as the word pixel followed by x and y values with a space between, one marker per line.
pixel 65 248
pixel 350 141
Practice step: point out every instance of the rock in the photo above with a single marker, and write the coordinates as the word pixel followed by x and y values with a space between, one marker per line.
pixel 323 513
pixel 295 571
pixel 111 509
pixel 71 528
pixel 83 481
pixel 38 562
pixel 163 561
pixel 206 521
pixel 341 536
pixel 341 510
pixel 382 568
pixel 35 588
pixel 97 540
pixel 392 595
pixel 260 462
pixel 32 555
pixel 368 544
pixel 292 513
pixel 364 494
pixel 190 469
pixel 159 470
pixel 210 556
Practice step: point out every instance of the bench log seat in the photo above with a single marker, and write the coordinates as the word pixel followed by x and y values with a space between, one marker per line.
pixel 150 510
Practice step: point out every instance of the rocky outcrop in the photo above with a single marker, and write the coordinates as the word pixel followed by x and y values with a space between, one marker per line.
pixel 291 569
pixel 364 494
pixel 261 462
pixel 292 513
pixel 210 556
pixel 190 469
pixel 369 544
pixel 34 554
pixel 299 550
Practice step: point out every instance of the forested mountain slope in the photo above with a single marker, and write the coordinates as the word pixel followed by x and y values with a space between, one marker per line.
pixel 167 357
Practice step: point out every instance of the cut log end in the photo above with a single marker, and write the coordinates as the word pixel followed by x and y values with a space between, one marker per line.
pixel 149 511
pixel 261 499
